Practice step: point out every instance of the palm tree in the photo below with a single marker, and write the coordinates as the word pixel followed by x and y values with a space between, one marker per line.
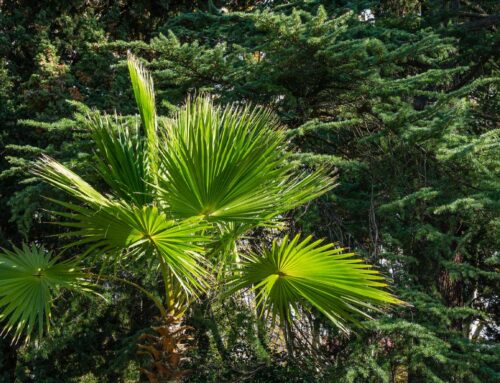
pixel 181 192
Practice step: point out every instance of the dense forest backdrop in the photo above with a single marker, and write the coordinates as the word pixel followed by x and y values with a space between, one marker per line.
pixel 400 96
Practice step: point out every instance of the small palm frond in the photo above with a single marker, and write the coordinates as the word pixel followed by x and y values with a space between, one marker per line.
pixel 229 164
pixel 121 158
pixel 294 272
pixel 30 278
pixel 142 84
pixel 127 159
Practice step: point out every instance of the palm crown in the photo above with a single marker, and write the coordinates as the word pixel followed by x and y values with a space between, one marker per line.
pixel 181 191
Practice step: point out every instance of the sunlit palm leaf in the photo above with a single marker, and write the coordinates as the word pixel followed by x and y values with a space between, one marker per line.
pixel 122 228
pixel 127 158
pixel 292 273
pixel 229 164
pixel 63 178
pixel 29 280
pixel 142 84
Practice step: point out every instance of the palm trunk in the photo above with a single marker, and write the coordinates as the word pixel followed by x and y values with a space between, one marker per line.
pixel 166 348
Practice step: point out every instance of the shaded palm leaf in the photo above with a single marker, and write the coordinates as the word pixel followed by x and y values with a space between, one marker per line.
pixel 293 272
pixel 229 164
pixel 121 158
pixel 30 277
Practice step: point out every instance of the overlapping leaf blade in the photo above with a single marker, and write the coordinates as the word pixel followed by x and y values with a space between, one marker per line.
pixel 227 166
pixel 116 227
pixel 128 220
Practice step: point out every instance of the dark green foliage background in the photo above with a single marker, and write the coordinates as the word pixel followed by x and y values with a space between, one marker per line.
pixel 405 106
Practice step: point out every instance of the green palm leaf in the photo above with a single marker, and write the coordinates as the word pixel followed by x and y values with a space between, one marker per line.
pixel 30 277
pixel 63 178
pixel 124 230
pixel 229 164
pixel 122 158
pixel 292 273
pixel 128 221
pixel 217 173
pixel 142 84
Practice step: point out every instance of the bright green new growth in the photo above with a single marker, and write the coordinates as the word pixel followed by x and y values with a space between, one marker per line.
pixel 181 193
pixel 142 84
pixel 229 164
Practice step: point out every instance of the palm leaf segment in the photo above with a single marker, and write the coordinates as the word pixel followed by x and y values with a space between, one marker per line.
pixel 123 158
pixel 229 164
pixel 30 277
pixel 294 272
pixel 142 84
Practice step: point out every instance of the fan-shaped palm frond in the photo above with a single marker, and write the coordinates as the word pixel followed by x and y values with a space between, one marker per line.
pixel 126 230
pixel 129 219
pixel 292 273
pixel 230 164
pixel 30 277
pixel 217 173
